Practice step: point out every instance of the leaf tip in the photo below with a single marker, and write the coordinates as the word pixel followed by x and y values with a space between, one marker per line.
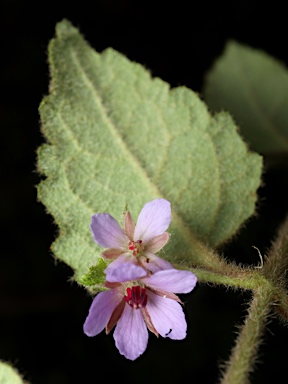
pixel 65 28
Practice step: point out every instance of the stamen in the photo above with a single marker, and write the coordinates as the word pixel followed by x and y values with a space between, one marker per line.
pixel 136 247
pixel 140 245
pixel 133 247
pixel 136 297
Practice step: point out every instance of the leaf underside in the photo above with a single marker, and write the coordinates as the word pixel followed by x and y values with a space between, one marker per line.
pixel 253 87
pixel 9 375
pixel 116 136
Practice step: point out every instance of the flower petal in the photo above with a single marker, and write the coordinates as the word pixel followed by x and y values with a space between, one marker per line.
pixel 131 335
pixel 154 263
pixel 156 243
pixel 112 253
pixel 107 232
pixel 100 311
pixel 123 258
pixel 117 313
pixel 172 280
pixel 153 220
pixel 167 316
pixel 129 225
pixel 124 269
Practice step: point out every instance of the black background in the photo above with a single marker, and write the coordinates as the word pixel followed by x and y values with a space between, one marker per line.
pixel 41 312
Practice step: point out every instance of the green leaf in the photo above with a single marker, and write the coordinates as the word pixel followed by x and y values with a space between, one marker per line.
pixel 116 136
pixel 253 87
pixel 9 375
pixel 95 276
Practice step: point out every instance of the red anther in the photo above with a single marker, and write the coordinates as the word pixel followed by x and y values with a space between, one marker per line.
pixel 129 293
pixel 136 297
pixel 132 246
pixel 135 247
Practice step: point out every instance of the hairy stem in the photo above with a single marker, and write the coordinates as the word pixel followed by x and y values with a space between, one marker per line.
pixel 243 356
pixel 276 264
pixel 275 269
pixel 243 278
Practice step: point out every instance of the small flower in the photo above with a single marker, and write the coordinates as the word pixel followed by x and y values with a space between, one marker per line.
pixel 135 243
pixel 136 301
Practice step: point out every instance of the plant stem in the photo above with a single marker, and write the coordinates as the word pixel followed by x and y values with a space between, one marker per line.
pixel 243 278
pixel 248 279
pixel 243 356
pixel 276 263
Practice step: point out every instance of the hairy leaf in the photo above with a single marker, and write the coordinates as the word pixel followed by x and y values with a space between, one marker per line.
pixel 254 88
pixel 9 375
pixel 95 275
pixel 116 136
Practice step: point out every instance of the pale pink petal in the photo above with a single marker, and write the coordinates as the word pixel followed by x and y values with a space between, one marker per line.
pixel 129 225
pixel 131 335
pixel 107 232
pixel 100 311
pixel 167 316
pixel 153 220
pixel 112 253
pixel 154 263
pixel 124 271
pixel 172 280
pixel 157 243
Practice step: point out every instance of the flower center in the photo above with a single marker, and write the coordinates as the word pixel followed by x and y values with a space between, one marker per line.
pixel 136 297
pixel 136 247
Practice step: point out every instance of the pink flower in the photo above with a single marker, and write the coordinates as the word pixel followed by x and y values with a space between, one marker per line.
pixel 135 243
pixel 135 302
